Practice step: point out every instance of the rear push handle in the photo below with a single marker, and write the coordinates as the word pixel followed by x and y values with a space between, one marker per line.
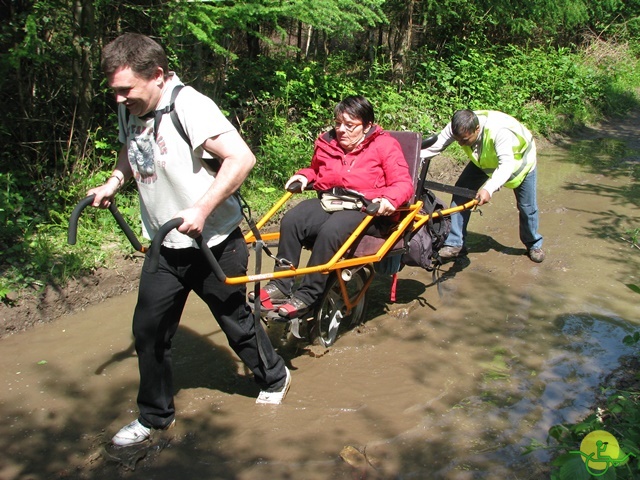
pixel 428 141
pixel 441 187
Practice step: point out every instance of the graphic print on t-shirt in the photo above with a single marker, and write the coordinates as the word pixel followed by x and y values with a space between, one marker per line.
pixel 141 158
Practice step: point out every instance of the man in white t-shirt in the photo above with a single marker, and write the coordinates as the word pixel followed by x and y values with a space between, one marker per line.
pixel 174 179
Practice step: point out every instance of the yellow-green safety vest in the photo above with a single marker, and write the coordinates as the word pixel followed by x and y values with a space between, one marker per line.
pixel 488 160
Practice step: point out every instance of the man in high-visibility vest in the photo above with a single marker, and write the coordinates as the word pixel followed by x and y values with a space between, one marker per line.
pixel 502 153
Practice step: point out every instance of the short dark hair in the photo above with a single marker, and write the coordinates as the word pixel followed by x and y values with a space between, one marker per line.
pixel 138 52
pixel 464 121
pixel 356 106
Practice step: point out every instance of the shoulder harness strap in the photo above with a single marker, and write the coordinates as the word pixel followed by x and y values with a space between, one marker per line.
pixel 170 109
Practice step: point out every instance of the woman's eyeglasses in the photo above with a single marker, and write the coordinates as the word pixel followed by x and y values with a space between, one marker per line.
pixel 349 127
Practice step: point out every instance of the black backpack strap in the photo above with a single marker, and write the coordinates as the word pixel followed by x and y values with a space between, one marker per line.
pixel 171 110
pixel 212 163
pixel 174 115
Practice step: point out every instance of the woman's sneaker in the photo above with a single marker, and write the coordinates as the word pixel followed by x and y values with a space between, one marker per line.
pixel 134 434
pixel 293 308
pixel 269 293
pixel 270 296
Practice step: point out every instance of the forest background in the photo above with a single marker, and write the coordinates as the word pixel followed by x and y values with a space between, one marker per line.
pixel 277 68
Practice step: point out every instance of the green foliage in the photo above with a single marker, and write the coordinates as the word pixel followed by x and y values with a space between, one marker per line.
pixel 285 106
pixel 549 89
pixel 521 58
pixel 635 338
pixel 633 240
pixel 210 23
pixel 620 414
pixel 33 237
pixel 501 22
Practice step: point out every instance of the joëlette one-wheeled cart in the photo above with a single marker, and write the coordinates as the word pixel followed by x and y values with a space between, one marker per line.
pixel 351 270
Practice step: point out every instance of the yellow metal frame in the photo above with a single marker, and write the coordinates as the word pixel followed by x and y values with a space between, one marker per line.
pixel 349 305
pixel 413 219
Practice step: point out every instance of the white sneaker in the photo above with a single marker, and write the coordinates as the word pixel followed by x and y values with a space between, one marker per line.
pixel 276 398
pixel 133 434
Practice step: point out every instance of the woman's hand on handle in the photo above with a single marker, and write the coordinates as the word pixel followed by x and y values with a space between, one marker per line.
pixel 386 208
pixel 297 178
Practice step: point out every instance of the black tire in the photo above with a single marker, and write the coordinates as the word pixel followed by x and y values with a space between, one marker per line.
pixel 329 319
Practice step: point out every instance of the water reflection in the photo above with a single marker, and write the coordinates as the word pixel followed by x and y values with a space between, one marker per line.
pixel 483 436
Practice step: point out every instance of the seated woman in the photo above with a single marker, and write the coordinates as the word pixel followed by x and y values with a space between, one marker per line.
pixel 358 155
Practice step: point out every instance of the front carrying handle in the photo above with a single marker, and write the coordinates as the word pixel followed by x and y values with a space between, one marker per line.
pixel 163 231
pixel 295 187
pixel 124 226
pixel 369 207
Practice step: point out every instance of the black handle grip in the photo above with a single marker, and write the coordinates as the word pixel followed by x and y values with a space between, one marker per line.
pixel 124 226
pixel 213 263
pixel 163 231
pixel 369 207
pixel 295 187
pixel 158 238
pixel 75 215
pixel 430 140
pixel 84 203
pixel 372 208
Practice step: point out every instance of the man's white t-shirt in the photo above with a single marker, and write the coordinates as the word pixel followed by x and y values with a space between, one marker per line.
pixel 170 176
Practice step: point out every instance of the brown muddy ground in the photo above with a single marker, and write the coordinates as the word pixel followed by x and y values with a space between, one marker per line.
pixel 445 385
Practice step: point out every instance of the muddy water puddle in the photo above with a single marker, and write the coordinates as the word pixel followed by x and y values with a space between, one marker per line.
pixel 449 386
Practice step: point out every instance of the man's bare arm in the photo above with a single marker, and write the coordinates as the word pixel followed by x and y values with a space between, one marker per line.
pixel 237 162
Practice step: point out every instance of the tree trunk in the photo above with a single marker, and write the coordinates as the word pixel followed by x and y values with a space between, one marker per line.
pixel 299 43
pixel 253 42
pixel 306 50
pixel 402 39
pixel 83 37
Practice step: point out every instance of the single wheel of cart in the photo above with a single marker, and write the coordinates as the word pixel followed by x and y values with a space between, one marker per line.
pixel 333 315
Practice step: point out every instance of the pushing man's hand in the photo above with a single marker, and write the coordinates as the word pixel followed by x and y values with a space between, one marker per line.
pixel 483 196
pixel 105 193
